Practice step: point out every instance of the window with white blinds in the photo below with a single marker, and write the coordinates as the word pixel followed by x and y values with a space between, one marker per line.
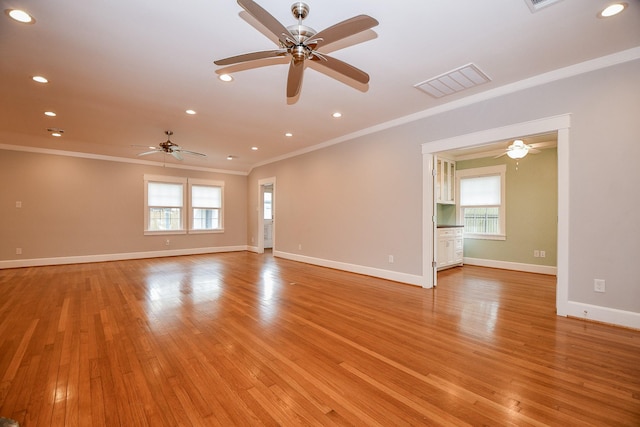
pixel 482 209
pixel 171 202
pixel 206 205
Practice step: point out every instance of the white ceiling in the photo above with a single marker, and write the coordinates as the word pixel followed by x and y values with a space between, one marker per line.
pixel 121 72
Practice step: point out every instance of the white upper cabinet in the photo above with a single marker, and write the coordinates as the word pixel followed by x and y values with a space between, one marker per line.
pixel 445 181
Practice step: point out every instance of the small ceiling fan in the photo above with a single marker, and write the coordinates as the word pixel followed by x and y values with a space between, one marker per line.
pixel 169 147
pixel 518 149
pixel 302 43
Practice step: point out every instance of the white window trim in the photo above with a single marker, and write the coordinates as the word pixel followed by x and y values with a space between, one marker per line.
pixel 478 172
pixel 212 183
pixel 164 179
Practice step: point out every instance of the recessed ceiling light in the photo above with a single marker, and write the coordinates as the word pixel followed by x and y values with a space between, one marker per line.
pixel 288 134
pixel 336 115
pixel 20 16
pixel 50 113
pixel 40 79
pixel 225 77
pixel 190 112
pixel 254 148
pixel 612 9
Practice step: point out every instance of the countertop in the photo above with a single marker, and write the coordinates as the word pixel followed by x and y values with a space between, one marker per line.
pixel 449 226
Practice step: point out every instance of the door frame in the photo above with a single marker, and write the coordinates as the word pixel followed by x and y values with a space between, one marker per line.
pixel 261 184
pixel 560 124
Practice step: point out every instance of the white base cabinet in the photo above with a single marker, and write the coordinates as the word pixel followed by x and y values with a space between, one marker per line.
pixel 450 247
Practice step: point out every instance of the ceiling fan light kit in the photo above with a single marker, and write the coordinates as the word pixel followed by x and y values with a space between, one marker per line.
pixel 301 43
pixel 518 149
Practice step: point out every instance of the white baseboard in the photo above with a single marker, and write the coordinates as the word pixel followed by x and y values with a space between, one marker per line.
pixel 597 313
pixel 506 265
pixel 571 308
pixel 81 259
pixel 410 279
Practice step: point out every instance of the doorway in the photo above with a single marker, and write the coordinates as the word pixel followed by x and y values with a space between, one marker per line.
pixel 559 124
pixel 266 214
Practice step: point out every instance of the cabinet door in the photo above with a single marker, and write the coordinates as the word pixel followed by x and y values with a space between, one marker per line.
pixel 451 251
pixel 442 252
pixel 445 181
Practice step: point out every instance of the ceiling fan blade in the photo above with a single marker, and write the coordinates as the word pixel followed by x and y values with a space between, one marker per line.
pixel 149 152
pixel 176 154
pixel 344 29
pixel 251 57
pixel 341 67
pixel 500 155
pixel 266 19
pixel 192 153
pixel 294 81
pixel 534 151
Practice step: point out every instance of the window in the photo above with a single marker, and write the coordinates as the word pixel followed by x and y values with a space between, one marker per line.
pixel 164 204
pixel 268 203
pixel 168 205
pixel 482 202
pixel 206 205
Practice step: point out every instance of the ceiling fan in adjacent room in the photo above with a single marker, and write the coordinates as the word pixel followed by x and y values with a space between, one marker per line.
pixel 301 43
pixel 518 149
pixel 169 147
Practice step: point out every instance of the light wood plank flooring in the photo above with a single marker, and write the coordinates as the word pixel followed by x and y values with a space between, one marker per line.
pixel 246 339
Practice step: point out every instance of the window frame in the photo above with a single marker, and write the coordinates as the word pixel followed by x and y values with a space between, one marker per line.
pixel 498 170
pixel 205 183
pixel 164 180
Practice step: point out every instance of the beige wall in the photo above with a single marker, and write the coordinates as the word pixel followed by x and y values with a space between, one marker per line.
pixel 76 207
pixel 347 203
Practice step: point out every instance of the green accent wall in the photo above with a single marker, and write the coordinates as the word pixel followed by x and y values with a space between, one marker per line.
pixel 531 210
pixel 446 214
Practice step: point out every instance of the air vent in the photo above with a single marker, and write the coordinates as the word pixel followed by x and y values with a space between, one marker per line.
pixel 536 5
pixel 461 78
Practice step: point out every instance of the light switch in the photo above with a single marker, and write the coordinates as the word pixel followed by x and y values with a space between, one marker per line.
pixel 18 204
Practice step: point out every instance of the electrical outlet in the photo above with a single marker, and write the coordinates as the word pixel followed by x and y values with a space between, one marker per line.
pixel 167 242
pixel 536 253
pixel 390 259
pixel 543 254
pixel 18 204
pixel 598 285
pixel 18 251
pixel 299 246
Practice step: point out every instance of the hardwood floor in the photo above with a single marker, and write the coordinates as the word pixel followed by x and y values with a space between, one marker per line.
pixel 244 339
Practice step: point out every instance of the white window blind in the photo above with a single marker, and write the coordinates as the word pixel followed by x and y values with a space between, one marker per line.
pixel 203 196
pixel 165 194
pixel 480 191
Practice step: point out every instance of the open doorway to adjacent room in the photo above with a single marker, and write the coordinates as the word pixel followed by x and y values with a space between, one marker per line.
pixel 557 125
pixel 266 214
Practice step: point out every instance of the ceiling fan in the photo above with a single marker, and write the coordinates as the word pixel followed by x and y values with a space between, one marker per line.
pixel 518 149
pixel 302 43
pixel 169 147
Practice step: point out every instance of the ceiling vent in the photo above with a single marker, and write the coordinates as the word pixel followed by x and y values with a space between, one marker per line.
pixel 453 81
pixel 536 5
